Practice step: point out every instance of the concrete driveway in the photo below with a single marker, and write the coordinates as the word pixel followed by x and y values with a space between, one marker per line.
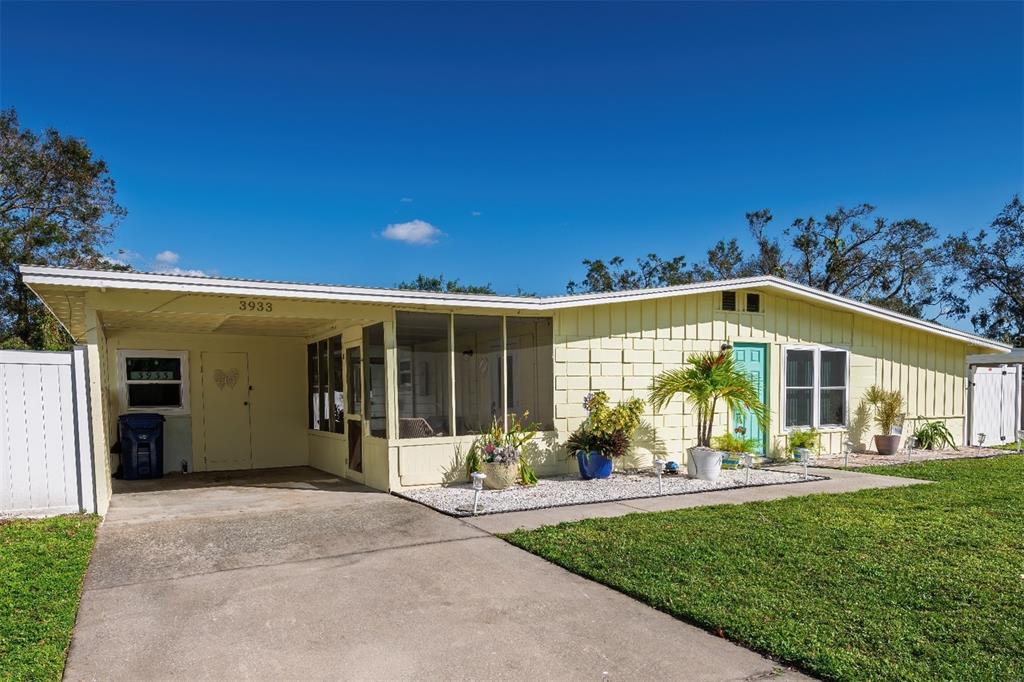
pixel 294 574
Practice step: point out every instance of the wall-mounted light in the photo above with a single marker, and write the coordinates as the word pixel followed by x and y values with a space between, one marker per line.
pixel 468 353
pixel 726 347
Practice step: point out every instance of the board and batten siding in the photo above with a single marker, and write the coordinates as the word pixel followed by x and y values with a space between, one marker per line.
pixel 621 347
pixel 46 463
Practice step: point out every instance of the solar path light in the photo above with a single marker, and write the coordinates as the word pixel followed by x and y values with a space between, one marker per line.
pixel 805 455
pixel 911 444
pixel 659 468
pixel 981 441
pixel 847 449
pixel 478 485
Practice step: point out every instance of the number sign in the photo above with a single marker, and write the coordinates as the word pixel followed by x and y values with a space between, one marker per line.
pixel 255 306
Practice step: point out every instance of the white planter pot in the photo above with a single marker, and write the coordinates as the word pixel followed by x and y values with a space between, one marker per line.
pixel 704 463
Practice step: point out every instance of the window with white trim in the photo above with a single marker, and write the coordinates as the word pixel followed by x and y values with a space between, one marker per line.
pixel 816 387
pixel 154 381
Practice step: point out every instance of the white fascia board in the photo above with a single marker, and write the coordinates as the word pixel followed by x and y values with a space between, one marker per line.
pixel 34 274
pixel 98 279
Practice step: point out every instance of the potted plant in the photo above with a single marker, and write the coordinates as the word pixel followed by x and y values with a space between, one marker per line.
pixel 802 439
pixel 706 380
pixel 499 454
pixel 887 407
pixel 736 445
pixel 605 434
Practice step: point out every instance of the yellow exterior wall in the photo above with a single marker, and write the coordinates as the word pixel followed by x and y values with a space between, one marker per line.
pixel 277 373
pixel 621 347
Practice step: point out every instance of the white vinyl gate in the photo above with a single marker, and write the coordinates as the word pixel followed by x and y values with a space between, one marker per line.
pixel 46 464
pixel 995 404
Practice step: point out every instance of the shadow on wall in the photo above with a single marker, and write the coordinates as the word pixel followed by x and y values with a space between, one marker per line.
pixel 544 454
pixel 646 448
pixel 455 471
pixel 859 427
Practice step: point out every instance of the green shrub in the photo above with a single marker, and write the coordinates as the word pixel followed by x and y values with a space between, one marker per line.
pixel 931 435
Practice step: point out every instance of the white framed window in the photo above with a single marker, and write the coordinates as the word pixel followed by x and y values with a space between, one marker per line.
pixel 153 381
pixel 816 384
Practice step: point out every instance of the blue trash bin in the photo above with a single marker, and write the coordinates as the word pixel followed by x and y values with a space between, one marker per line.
pixel 142 445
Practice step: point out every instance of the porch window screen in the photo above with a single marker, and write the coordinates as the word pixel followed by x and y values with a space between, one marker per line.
pixel 355 380
pixel 530 370
pixel 313 387
pixel 424 382
pixel 337 392
pixel 323 381
pixel 478 384
pixel 375 405
pixel 325 391
pixel 816 388
pixel 154 381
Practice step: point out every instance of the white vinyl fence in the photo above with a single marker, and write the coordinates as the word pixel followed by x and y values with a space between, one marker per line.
pixel 46 464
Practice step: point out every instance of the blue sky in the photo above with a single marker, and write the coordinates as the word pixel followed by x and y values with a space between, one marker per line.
pixel 282 140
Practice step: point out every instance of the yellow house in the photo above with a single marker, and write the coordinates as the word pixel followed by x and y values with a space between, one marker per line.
pixel 390 387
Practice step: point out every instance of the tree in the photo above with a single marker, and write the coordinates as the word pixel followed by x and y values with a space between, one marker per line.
pixel 651 271
pixel 886 263
pixel 56 208
pixel 892 264
pixel 992 264
pixel 441 285
pixel 706 380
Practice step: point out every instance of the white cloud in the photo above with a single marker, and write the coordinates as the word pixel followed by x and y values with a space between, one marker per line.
pixel 167 257
pixel 406 200
pixel 110 260
pixel 413 232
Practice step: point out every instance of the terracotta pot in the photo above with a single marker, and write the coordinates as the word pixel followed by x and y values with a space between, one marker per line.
pixel 887 445
pixel 499 476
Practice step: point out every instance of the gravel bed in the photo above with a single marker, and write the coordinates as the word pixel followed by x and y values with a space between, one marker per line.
pixel 457 500
pixel 870 459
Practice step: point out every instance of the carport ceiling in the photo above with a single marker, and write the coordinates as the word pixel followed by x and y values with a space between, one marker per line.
pixel 209 323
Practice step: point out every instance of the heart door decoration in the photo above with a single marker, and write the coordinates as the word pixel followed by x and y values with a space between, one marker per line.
pixel 228 378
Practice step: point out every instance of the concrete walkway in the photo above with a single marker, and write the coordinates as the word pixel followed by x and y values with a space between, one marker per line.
pixel 293 574
pixel 839 482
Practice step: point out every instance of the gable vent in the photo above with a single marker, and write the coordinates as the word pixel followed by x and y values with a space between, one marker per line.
pixel 753 303
pixel 728 300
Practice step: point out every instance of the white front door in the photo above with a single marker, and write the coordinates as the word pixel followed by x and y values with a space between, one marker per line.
pixel 226 411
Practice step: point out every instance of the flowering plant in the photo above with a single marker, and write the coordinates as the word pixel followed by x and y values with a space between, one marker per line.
pixel 501 446
pixel 499 454
pixel 607 430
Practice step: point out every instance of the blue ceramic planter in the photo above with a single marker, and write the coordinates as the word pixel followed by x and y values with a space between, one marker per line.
pixel 593 465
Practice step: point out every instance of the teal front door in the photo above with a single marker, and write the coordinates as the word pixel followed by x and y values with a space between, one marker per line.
pixel 752 358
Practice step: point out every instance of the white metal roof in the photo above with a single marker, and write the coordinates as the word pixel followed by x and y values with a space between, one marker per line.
pixel 45 276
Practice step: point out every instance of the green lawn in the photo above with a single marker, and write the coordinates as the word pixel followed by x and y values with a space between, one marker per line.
pixel 42 563
pixel 917 583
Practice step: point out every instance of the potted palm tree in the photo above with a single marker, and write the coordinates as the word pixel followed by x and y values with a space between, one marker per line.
pixel 706 380
pixel 887 406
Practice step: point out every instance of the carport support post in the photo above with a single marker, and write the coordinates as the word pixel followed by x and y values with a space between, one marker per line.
pixel 95 346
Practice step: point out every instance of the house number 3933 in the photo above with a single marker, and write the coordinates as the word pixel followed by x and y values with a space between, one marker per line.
pixel 256 306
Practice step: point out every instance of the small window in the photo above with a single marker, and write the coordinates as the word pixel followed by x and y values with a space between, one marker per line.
pixel 728 300
pixel 155 381
pixel 753 303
